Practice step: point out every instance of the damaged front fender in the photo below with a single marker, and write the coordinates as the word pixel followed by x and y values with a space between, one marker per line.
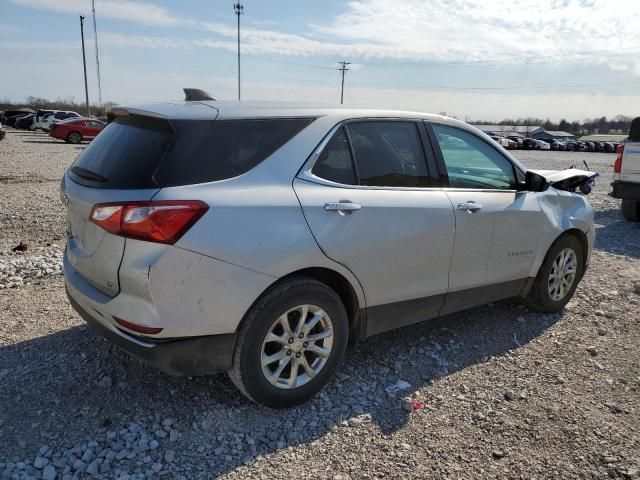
pixel 570 180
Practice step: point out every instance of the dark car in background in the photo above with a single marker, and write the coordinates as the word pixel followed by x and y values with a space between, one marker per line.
pixel 519 140
pixel 529 144
pixel 12 119
pixel 9 117
pixel 24 122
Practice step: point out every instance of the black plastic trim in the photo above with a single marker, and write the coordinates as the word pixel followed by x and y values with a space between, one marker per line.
pixel 625 190
pixel 381 318
pixel 186 357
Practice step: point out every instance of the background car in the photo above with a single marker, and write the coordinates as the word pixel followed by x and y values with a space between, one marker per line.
pixel 8 116
pixel 24 122
pixel 530 144
pixel 60 115
pixel 39 118
pixel 542 145
pixel 10 120
pixel 76 130
pixel 519 141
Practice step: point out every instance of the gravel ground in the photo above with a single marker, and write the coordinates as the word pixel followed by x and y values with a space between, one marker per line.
pixel 494 392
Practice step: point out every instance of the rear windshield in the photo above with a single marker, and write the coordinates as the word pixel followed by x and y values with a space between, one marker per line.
pixel 125 153
pixel 140 152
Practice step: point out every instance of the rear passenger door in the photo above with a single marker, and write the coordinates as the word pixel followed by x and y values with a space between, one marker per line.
pixel 497 228
pixel 366 195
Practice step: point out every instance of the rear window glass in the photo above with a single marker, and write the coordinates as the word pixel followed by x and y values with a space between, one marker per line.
pixel 126 153
pixel 142 152
pixel 228 149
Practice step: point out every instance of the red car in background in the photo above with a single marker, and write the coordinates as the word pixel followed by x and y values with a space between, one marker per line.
pixel 76 129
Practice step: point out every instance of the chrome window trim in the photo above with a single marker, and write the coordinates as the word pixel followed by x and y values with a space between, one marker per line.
pixel 307 175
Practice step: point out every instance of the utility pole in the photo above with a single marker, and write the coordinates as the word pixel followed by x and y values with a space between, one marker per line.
pixel 95 31
pixel 238 10
pixel 84 64
pixel 343 68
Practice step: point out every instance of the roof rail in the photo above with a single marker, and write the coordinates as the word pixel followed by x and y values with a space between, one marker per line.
pixel 195 95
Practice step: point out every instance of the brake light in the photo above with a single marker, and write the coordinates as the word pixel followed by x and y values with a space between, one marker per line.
pixel 617 165
pixel 136 327
pixel 161 221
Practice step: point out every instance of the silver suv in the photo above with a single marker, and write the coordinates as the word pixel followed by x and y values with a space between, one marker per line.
pixel 258 239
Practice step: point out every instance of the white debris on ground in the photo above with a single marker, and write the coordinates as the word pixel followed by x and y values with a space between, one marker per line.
pixel 22 268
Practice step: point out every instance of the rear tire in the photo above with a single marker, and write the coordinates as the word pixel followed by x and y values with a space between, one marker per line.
pixel 286 302
pixel 74 137
pixel 631 210
pixel 553 287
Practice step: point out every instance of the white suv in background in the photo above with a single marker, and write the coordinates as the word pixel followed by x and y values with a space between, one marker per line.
pixel 44 122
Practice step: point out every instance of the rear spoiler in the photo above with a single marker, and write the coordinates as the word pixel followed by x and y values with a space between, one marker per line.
pixel 113 112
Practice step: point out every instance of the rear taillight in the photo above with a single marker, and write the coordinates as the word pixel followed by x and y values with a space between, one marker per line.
pixel 617 166
pixel 161 221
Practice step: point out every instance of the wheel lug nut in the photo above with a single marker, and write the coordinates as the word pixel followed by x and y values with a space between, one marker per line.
pixel 291 340
pixel 301 335
pixel 288 352
pixel 298 355
pixel 305 344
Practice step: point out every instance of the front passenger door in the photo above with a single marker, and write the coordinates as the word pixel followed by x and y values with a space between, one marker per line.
pixel 497 227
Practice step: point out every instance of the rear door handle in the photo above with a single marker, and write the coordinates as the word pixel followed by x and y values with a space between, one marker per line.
pixel 343 207
pixel 469 206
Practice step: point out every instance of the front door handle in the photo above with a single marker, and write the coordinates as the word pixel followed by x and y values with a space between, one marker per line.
pixel 469 206
pixel 343 207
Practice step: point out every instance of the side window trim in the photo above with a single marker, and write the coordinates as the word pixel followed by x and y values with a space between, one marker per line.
pixel 440 159
pixel 432 151
pixel 352 156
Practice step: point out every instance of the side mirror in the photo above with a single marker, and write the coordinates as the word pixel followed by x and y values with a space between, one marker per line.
pixel 533 183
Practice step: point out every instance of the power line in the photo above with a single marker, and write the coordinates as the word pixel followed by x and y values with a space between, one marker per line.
pixel 343 68
pixel 238 10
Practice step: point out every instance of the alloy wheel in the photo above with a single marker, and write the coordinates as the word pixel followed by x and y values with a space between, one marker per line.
pixel 297 346
pixel 563 274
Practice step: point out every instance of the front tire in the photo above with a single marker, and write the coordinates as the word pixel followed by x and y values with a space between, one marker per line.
pixel 558 277
pixel 290 343
pixel 631 210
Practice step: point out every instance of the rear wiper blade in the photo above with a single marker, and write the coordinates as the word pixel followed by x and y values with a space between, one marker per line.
pixel 88 174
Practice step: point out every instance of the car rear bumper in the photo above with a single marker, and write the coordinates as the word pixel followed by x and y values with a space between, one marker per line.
pixel 199 355
pixel 625 190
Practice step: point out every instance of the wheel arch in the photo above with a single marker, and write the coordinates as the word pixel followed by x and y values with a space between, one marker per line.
pixel 344 288
pixel 584 242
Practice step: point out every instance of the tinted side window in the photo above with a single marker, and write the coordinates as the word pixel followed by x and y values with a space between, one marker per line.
pixel 334 163
pixel 388 154
pixel 229 148
pixel 471 162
